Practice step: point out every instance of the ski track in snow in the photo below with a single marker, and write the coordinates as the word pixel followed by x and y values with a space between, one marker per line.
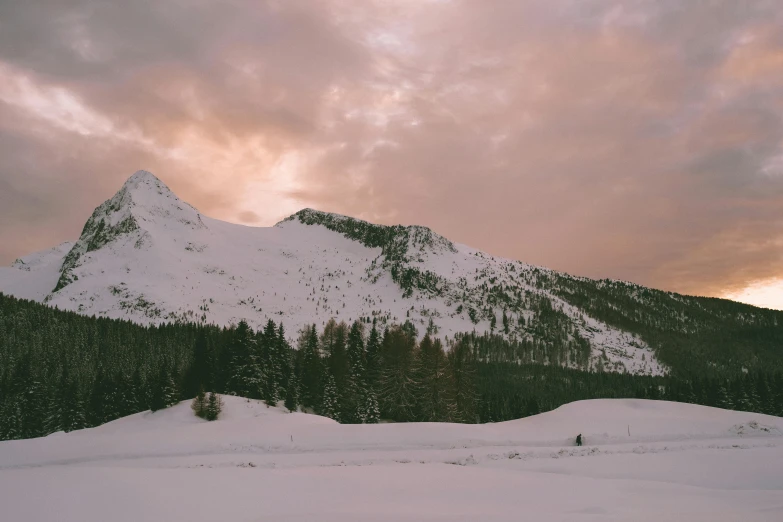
pixel 173 264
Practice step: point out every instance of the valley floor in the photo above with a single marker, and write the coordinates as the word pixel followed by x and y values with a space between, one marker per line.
pixel 642 460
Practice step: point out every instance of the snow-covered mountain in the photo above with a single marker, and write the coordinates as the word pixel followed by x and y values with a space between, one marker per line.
pixel 147 256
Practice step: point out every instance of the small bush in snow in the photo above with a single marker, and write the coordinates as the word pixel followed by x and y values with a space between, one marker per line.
pixel 208 408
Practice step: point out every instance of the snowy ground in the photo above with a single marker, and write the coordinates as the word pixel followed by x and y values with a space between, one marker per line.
pixel 680 462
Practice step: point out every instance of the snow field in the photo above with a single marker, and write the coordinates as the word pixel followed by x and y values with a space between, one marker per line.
pixel 681 462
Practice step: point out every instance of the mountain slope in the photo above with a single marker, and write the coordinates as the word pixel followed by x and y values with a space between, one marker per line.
pixel 147 256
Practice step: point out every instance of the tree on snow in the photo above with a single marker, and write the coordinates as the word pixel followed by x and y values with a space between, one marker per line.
pixel 330 405
pixel 214 406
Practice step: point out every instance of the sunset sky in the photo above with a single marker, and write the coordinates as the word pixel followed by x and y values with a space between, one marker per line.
pixel 637 140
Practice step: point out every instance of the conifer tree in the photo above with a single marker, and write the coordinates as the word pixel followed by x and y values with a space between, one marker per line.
pixel 12 419
pixel 199 373
pixel 67 412
pixel 464 374
pixel 127 395
pixel 741 399
pixel 370 412
pixel 431 328
pixel 410 330
pixel 330 406
pixel 312 369
pixel 753 400
pixel 56 406
pixel 31 398
pixel 333 344
pixel 436 398
pixel 271 359
pixel 356 353
pixel 286 362
pixel 164 391
pixel 724 399
pixel 104 400
pixel 292 391
pixel 355 382
pixel 74 416
pixel 373 356
pixel 199 404
pixel 777 391
pixel 532 407
pixel 170 392
pixel 214 406
pixel 244 374
pixel 141 390
pixel 157 393
pixel 398 383
pixel 96 416
pixel 34 407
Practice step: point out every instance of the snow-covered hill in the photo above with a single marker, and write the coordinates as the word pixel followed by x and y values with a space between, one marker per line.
pixel 642 460
pixel 147 256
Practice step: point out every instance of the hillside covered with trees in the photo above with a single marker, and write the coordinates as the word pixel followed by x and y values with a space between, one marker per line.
pixel 60 371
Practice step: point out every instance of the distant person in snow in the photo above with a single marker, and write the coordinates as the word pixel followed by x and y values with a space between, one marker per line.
pixel 579 440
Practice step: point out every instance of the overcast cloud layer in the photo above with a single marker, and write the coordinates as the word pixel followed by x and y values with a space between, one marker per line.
pixel 635 140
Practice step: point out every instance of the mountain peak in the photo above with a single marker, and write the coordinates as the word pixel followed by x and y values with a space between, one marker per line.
pixel 146 181
pixel 143 209
pixel 146 199
pixel 142 176
pixel 313 216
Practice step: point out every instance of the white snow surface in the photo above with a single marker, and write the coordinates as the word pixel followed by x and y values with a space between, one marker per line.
pixel 34 276
pixel 178 265
pixel 642 460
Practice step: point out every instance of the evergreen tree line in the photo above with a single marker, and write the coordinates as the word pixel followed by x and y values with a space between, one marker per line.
pixel 63 371
pixel 511 391
pixel 348 373
pixel 60 371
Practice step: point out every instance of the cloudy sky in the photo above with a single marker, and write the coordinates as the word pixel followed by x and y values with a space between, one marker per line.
pixel 638 140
